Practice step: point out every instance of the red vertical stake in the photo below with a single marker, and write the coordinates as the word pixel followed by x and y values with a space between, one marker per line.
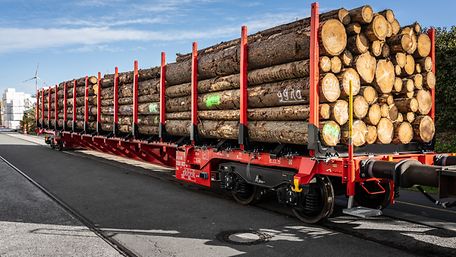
pixel 56 107
pixel 431 34
pixel 37 108
pixel 65 105
pixel 116 100
pixel 75 84
pixel 135 99
pixel 49 107
pixel 99 102
pixel 243 128
pixel 314 78
pixel 194 90
pixel 42 108
pixel 161 128
pixel 86 104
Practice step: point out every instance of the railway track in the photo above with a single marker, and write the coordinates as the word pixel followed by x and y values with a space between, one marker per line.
pixel 340 223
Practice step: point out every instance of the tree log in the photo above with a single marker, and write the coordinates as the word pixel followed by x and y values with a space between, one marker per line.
pixel 129 100
pixel 374 115
pixel 147 87
pixel 406 104
pixel 377 29
pixel 329 88
pixel 360 107
pixel 358 44
pixel 424 100
pixel 127 77
pixel 376 48
pixel 363 14
pixel 409 67
pixel 424 129
pixel 396 27
pixel 147 108
pixel 403 133
pixel 353 28
pixel 384 76
pixel 385 131
pixel 325 64
pixel 425 63
pixel 424 46
pixel 339 111
pixel 400 43
pixel 429 80
pixel 347 58
pixel 410 117
pixel 297 69
pixel 325 111
pixel 369 93
pixel 336 64
pixel 365 66
pixel 371 135
pixel 345 77
pixel 359 129
pixel 388 14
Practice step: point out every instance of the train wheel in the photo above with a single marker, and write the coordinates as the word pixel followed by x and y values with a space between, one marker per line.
pixel 245 193
pixel 374 201
pixel 317 203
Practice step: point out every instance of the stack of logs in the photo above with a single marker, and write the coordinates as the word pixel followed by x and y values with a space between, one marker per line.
pixel 80 102
pixel 389 68
pixel 148 101
pixel 387 65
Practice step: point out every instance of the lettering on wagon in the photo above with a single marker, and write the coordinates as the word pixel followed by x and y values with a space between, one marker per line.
pixel 290 95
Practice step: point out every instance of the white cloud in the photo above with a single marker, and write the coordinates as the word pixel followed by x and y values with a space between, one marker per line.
pixel 89 38
pixel 111 21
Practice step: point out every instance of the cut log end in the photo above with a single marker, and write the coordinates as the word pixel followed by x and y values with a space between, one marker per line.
pixel 363 14
pixel 377 29
pixel 369 93
pixel 429 80
pixel 359 132
pixel 360 107
pixel 333 37
pixel 403 133
pixel 389 15
pixel 330 133
pixel 374 115
pixel 325 64
pixel 424 100
pixel 347 58
pixel 339 112
pixel 385 131
pixel 424 129
pixel 347 76
pixel 385 76
pixel 424 46
pixel 325 111
pixel 366 65
pixel 330 89
pixel 336 64
pixel 371 136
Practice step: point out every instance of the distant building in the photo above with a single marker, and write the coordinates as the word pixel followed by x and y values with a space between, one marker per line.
pixel 13 106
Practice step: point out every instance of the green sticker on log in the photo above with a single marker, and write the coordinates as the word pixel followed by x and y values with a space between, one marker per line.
pixel 153 108
pixel 212 100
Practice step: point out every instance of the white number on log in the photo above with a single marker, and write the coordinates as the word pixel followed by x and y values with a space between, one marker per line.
pixel 290 95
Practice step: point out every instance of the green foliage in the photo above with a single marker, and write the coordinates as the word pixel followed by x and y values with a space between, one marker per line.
pixel 446 80
pixel 446 142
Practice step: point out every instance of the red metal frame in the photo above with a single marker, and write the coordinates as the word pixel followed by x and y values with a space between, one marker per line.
pixel 75 84
pixel 65 106
pixel 162 94
pixel 99 100
pixel 49 107
pixel 194 90
pixel 116 97
pixel 37 107
pixel 431 34
pixel 56 107
pixel 42 107
pixel 86 102
pixel 244 94
pixel 314 69
pixel 135 98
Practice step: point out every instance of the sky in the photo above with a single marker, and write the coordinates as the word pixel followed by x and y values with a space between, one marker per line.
pixel 72 39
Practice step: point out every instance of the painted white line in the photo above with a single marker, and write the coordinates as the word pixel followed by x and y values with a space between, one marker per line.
pixel 427 207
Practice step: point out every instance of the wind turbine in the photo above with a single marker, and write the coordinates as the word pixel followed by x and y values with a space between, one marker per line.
pixel 36 78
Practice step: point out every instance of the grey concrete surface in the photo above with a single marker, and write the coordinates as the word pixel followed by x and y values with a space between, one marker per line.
pixel 31 224
pixel 157 217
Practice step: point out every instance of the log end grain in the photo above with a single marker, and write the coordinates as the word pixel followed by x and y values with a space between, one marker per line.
pixel 365 65
pixel 424 100
pixel 385 76
pixel 424 129
pixel 333 37
pixel 339 112
pixel 330 133
pixel 330 89
pixel 360 107
pixel 385 131
pixel 371 135
pixel 350 76
pixel 403 133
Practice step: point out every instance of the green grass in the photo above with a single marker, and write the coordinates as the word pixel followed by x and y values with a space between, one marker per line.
pixel 431 190
pixel 446 142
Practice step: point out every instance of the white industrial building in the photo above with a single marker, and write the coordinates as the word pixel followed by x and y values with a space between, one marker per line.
pixel 13 106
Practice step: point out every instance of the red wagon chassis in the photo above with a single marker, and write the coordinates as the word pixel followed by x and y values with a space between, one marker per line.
pixel 200 164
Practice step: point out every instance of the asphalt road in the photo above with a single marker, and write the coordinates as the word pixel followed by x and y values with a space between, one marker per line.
pixel 153 216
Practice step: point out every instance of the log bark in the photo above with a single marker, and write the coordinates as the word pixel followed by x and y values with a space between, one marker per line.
pixel 297 69
pixel 127 77
pixel 363 14
pixel 376 48
pixel 282 113
pixel 385 131
pixel 347 58
pixel 386 51
pixel 147 108
pixel 388 14
pixel 405 105
pixel 288 92
pixel 147 87
pixel 358 44
pixel 129 100
pixel 429 80
pixel 400 43
pixel 277 49
pixel 396 27
pixel 146 120
pixel 424 129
